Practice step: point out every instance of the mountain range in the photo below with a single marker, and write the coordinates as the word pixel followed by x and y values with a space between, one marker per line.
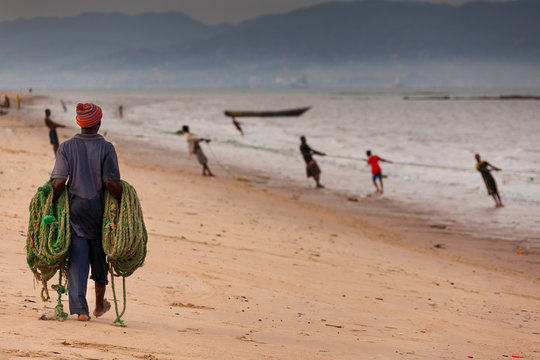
pixel 360 43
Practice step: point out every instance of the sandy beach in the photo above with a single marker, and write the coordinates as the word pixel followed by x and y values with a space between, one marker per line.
pixel 240 270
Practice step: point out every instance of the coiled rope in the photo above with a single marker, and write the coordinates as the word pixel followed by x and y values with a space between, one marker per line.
pixel 48 240
pixel 124 239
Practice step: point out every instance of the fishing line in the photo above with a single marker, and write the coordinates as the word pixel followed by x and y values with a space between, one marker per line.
pixel 344 157
pixel 529 174
pixel 219 163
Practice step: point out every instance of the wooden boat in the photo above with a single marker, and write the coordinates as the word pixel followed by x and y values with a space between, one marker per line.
pixel 279 113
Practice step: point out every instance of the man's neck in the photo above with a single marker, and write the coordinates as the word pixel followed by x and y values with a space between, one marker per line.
pixel 88 132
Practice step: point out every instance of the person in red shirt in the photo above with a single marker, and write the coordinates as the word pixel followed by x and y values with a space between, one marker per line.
pixel 373 160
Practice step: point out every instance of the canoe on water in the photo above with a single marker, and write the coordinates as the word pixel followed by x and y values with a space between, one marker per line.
pixel 289 112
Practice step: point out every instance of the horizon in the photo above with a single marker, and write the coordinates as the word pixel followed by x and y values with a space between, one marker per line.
pixel 236 13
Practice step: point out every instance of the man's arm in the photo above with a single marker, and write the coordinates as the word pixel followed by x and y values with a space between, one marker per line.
pixel 58 186
pixel 493 167
pixel 58 125
pixel 115 188
pixel 313 151
pixel 53 125
pixel 192 137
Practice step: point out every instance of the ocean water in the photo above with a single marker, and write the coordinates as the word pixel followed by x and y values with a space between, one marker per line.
pixel 431 143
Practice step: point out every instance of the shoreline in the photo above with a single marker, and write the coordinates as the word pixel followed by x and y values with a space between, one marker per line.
pixel 382 211
pixel 240 269
pixel 456 200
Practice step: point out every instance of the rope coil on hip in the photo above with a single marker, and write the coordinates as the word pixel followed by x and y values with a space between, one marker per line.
pixel 124 238
pixel 48 240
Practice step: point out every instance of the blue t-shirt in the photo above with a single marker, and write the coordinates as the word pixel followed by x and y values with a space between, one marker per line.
pixel 87 161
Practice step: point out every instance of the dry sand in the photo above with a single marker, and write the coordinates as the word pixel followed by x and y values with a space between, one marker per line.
pixel 238 270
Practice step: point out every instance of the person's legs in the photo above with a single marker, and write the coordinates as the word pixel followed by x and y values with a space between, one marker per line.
pixel 313 170
pixel 380 180
pixel 78 269
pixel 498 201
pixel 375 182
pixel 102 305
pixel 316 177
pixel 98 264
pixel 207 169
pixel 53 136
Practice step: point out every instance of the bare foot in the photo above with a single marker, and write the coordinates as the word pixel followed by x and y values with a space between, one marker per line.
pixel 83 317
pixel 106 307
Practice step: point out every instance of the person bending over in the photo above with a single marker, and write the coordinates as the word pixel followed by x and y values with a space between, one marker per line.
pixel 195 148
pixel 312 168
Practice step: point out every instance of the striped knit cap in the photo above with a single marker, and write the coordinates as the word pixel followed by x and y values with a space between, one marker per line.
pixel 88 115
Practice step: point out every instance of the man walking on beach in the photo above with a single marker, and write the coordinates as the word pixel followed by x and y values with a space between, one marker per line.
pixel 89 163
pixel 195 148
pixel 312 168
pixel 53 136
pixel 376 171
pixel 485 169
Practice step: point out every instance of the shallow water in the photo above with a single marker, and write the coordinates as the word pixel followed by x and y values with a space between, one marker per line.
pixel 431 143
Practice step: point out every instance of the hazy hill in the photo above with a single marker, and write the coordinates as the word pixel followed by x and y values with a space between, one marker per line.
pixel 378 30
pixel 172 49
pixel 93 35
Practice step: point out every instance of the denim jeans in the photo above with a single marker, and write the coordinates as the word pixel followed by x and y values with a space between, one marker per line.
pixel 83 255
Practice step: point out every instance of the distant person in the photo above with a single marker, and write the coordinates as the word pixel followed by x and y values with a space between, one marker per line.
pixel 121 111
pixel 63 105
pixel 237 125
pixel 376 171
pixel 485 169
pixel 6 102
pixel 53 136
pixel 30 90
pixel 18 100
pixel 312 168
pixel 195 148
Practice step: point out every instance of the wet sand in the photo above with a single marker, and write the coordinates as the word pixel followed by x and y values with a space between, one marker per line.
pixel 243 270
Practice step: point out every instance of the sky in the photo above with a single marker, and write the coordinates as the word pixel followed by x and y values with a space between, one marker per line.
pixel 207 11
